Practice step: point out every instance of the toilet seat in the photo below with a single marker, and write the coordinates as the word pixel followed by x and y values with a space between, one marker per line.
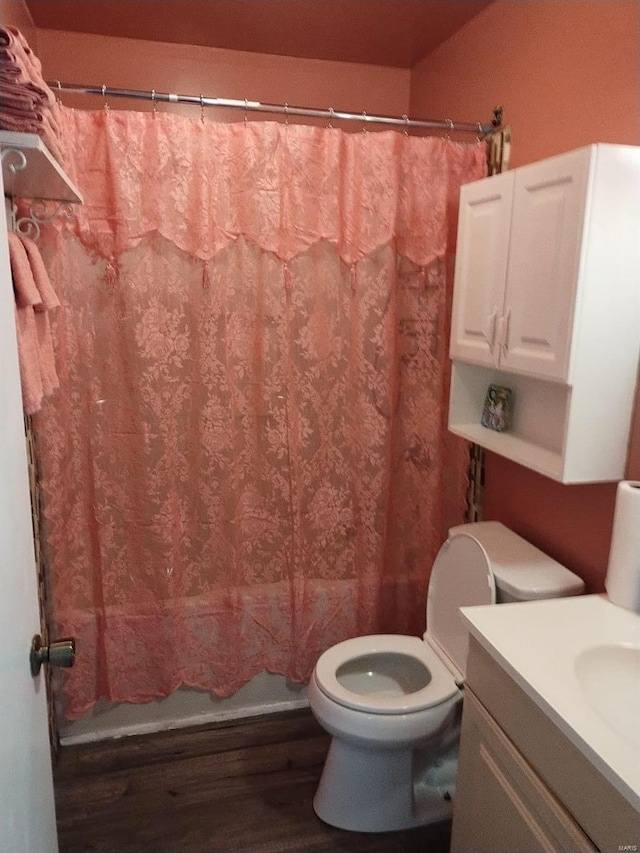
pixel 440 688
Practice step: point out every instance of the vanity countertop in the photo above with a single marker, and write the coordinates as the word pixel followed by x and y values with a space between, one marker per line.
pixel 578 660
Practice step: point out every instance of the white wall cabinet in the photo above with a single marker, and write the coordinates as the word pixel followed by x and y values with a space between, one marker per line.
pixel 547 302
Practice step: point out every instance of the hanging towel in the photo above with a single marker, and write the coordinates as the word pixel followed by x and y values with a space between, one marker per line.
pixel 27 296
pixel 40 275
pixel 49 301
pixel 24 285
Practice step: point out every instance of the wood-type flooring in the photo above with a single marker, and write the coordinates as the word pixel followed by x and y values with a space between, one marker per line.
pixel 243 786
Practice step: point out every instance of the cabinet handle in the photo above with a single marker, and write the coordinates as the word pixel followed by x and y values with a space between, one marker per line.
pixel 505 330
pixel 490 334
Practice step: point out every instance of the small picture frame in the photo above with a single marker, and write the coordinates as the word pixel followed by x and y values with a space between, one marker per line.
pixel 496 414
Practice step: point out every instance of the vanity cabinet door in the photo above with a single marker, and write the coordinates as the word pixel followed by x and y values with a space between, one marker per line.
pixel 547 223
pixel 501 805
pixel 481 268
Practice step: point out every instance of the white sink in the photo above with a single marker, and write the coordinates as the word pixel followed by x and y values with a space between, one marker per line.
pixel 609 676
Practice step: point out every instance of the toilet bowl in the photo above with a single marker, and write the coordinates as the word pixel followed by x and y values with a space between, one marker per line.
pixel 393 703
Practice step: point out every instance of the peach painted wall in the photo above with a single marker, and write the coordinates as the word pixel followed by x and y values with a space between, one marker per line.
pixel 568 74
pixel 191 70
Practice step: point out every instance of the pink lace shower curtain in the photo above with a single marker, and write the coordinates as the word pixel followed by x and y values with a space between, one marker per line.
pixel 247 460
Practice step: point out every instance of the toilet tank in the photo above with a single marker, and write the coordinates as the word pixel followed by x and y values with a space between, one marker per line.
pixel 521 571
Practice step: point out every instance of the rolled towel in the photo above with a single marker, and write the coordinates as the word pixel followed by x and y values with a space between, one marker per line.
pixel 24 44
pixel 27 124
pixel 25 59
pixel 14 75
pixel 21 86
pixel 23 100
pixel 43 128
pixel 21 112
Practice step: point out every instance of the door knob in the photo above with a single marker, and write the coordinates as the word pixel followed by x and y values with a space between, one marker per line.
pixel 61 652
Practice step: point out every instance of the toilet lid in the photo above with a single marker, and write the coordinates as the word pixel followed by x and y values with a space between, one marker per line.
pixel 440 687
pixel 461 577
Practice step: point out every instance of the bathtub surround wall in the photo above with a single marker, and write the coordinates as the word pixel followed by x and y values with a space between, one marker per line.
pixel 264 694
pixel 568 74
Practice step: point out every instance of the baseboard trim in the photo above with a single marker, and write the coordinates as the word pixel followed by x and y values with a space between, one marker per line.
pixel 184 722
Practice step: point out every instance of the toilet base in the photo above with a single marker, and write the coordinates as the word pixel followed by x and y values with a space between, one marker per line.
pixel 364 790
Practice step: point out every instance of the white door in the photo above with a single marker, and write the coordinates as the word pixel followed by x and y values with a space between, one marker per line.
pixel 544 262
pixel 481 268
pixel 27 815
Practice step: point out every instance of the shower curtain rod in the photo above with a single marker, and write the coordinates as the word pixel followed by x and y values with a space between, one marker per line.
pixel 284 109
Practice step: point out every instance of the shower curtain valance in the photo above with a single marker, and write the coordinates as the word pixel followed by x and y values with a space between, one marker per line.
pixel 201 186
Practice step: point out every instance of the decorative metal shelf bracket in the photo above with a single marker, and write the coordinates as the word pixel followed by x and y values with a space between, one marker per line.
pixel 39 210
pixel 20 161
pixel 39 214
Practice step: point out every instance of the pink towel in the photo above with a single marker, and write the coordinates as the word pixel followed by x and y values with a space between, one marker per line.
pixel 21 100
pixel 49 302
pixel 27 104
pixel 24 286
pixel 19 54
pixel 27 296
pixel 30 124
pixel 41 278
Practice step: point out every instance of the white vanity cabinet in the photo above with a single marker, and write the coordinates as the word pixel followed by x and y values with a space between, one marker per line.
pixel 547 302
pixel 501 803
pixel 522 785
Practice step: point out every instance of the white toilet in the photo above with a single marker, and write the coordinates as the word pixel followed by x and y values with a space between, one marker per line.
pixel 393 703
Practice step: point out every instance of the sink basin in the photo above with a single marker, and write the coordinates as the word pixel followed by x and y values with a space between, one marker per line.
pixel 609 677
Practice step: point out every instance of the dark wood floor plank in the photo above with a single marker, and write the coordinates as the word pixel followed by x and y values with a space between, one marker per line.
pixel 171 745
pixel 239 787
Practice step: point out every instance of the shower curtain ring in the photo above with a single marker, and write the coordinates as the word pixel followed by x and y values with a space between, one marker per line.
pixel 202 108
pixel 246 107
pixel 406 124
pixel 450 126
pixel 104 95
pixel 59 94
pixel 331 117
pixel 286 113
pixel 364 121
pixel 153 101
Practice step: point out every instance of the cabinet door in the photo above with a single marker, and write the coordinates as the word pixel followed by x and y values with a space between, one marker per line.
pixel 501 805
pixel 544 263
pixel 481 267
